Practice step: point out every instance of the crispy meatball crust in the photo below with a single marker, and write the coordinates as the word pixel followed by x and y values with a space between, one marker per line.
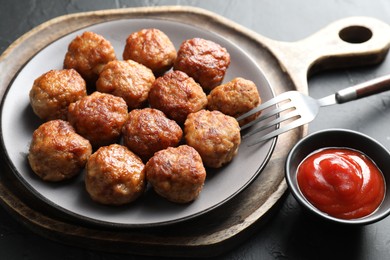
pixel 127 79
pixel 152 48
pixel 98 117
pixel 177 95
pixel 57 152
pixel 203 60
pixel 235 98
pixel 114 175
pixel 176 173
pixel 214 135
pixel 87 54
pixel 53 91
pixel 148 130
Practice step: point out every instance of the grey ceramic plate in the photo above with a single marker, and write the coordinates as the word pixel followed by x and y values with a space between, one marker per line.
pixel 18 123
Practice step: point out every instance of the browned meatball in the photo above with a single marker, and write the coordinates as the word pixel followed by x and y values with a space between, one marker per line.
pixel 235 98
pixel 203 60
pixel 152 48
pixel 177 95
pixel 114 175
pixel 53 91
pixel 127 79
pixel 148 130
pixel 98 117
pixel 176 174
pixel 214 135
pixel 87 54
pixel 57 152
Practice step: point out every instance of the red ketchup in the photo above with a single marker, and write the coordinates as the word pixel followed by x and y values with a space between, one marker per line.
pixel 343 183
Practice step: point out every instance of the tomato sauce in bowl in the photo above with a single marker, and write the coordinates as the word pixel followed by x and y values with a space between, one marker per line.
pixel 341 182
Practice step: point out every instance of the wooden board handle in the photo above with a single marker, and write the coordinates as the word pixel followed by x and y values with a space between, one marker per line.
pixel 353 41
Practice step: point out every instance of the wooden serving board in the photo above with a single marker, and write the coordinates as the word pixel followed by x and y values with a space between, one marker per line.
pixel 352 41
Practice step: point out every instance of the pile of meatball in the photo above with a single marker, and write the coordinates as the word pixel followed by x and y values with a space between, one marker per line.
pixel 157 117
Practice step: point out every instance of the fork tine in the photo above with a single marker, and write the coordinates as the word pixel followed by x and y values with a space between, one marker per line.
pixel 278 120
pixel 285 128
pixel 271 102
pixel 268 114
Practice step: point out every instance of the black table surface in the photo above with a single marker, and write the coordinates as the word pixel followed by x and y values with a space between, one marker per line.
pixel 290 234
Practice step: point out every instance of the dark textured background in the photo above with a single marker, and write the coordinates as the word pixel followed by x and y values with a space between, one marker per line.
pixel 290 234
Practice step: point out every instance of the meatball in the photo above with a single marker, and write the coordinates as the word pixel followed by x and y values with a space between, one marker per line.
pixel 176 173
pixel 152 48
pixel 127 79
pixel 203 60
pixel 57 152
pixel 87 54
pixel 98 117
pixel 53 91
pixel 114 175
pixel 235 98
pixel 148 130
pixel 214 135
pixel 177 95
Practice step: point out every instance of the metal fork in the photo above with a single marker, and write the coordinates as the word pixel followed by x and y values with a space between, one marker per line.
pixel 299 109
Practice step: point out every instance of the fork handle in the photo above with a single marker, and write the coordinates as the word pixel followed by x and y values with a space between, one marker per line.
pixel 364 89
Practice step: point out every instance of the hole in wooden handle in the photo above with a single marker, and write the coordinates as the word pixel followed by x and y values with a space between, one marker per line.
pixel 355 34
